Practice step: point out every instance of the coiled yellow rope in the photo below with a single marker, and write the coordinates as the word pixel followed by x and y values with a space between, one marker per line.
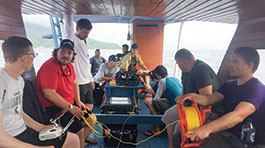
pixel 192 118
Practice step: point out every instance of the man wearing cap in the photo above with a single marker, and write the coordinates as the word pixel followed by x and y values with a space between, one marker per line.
pixel 106 73
pixel 81 63
pixel 96 61
pixel 168 89
pixel 58 89
pixel 17 128
pixel 130 60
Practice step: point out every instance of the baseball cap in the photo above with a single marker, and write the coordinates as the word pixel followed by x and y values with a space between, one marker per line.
pixel 134 46
pixel 113 58
pixel 66 43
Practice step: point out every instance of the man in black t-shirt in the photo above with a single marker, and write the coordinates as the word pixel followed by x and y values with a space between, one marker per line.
pixel 197 77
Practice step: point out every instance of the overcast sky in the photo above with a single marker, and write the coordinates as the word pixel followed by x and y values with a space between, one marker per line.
pixel 195 35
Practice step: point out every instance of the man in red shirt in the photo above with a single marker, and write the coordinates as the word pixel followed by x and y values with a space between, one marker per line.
pixel 58 90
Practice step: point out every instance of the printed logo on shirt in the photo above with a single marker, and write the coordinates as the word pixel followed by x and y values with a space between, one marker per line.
pixel 3 97
pixel 14 102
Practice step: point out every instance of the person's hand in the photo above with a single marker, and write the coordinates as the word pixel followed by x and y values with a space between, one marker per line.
pixel 198 134
pixel 92 85
pixel 139 72
pixel 190 95
pixel 82 106
pixel 76 111
pixel 46 126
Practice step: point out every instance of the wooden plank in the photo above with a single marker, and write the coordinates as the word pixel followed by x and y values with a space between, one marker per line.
pixel 251 9
pixel 174 5
pixel 191 9
pixel 221 9
pixel 161 8
pixel 213 8
pixel 144 7
pixel 181 8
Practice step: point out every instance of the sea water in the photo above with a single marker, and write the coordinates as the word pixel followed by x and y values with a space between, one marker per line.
pixel 211 57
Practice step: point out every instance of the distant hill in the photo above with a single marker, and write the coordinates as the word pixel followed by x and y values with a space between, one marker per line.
pixel 35 33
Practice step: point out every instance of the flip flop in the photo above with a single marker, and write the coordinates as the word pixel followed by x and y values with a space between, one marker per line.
pixel 91 140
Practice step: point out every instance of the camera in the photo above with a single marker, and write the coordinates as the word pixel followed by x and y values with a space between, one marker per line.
pixel 128 78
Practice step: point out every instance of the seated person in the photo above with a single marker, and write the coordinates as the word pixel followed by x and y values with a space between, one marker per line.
pixel 130 61
pixel 169 87
pixel 243 98
pixel 125 50
pixel 17 129
pixel 106 73
pixel 58 90
pixel 197 77
pixel 96 61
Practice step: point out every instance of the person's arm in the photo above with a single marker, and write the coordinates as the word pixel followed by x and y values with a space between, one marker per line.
pixel 68 27
pixel 229 120
pixel 161 89
pixel 104 79
pixel 203 100
pixel 7 141
pixel 31 123
pixel 59 101
pixel 207 90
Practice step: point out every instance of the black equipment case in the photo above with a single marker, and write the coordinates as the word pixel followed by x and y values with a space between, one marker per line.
pixel 119 105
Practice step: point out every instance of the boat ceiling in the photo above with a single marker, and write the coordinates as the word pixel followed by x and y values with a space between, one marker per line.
pixel 124 11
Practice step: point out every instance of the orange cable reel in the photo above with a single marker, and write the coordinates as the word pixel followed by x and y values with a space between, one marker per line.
pixel 190 118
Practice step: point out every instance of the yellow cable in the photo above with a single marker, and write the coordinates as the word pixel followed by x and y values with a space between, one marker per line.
pixel 123 125
pixel 131 143
pixel 192 118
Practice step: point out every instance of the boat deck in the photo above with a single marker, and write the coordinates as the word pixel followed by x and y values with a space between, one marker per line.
pixel 155 142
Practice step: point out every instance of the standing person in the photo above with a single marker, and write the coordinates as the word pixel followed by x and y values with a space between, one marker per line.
pixel 125 50
pixel 243 99
pixel 58 90
pixel 81 62
pixel 96 61
pixel 197 77
pixel 106 73
pixel 168 89
pixel 17 128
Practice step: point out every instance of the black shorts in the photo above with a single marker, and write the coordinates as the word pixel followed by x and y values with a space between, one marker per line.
pixel 86 93
pixel 98 93
pixel 161 105
pixel 31 136
pixel 54 111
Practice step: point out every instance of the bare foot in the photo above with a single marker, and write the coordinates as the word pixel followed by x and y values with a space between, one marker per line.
pixel 91 140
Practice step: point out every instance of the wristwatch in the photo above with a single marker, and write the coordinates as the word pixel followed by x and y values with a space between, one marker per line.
pixel 70 106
